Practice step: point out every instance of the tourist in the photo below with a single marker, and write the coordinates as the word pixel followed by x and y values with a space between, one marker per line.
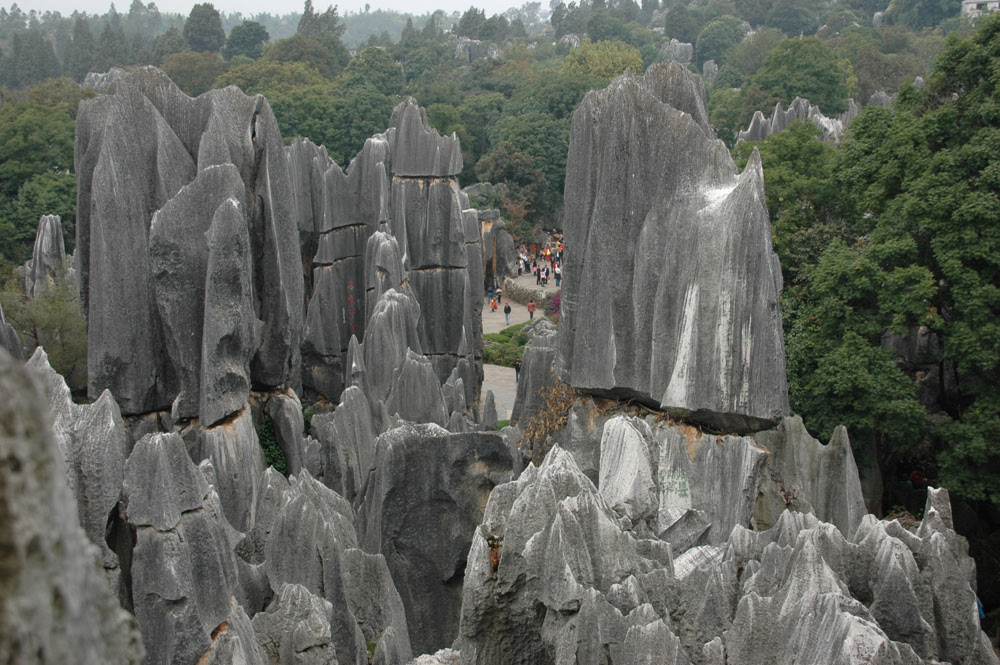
pixel 506 312
pixel 517 371
pixel 493 304
pixel 531 309
pixel 558 273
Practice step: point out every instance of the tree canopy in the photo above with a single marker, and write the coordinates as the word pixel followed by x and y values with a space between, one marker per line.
pixel 203 29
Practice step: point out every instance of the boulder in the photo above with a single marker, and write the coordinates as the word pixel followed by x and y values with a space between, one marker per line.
pixel 57 605
pixel 421 507
pixel 671 293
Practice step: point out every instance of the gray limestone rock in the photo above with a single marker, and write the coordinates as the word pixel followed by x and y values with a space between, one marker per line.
pixel 238 461
pixel 490 412
pixel 681 52
pixel 94 443
pixel 295 629
pixel 427 221
pixel 718 475
pixel 48 258
pixel 417 149
pixel 376 605
pixel 800 109
pixel 305 547
pixel 285 409
pixel 628 471
pixel 880 98
pixel 183 566
pixel 815 478
pixel 416 392
pixel 536 371
pixel 709 71
pixel 9 339
pixel 671 293
pixel 178 257
pixel 468 51
pixel 145 127
pixel 392 331
pixel 421 508
pixel 235 642
pixel 348 444
pixel 542 568
pixel 56 606
pixel 232 331
pixel 383 266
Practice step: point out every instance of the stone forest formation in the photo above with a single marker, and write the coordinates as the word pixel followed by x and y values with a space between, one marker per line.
pixel 653 500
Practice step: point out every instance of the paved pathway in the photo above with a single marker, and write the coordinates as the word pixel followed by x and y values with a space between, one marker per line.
pixel 501 379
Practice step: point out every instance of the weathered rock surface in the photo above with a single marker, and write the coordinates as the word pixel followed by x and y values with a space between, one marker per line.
pixel 295 629
pixel 183 568
pixel 48 258
pixel 420 509
pixel 418 149
pixel 553 577
pixel 235 642
pixel 536 370
pixel 9 339
pixel 800 109
pixel 671 292
pixel 348 444
pixel 94 443
pixel 138 146
pixel 681 52
pixel 56 606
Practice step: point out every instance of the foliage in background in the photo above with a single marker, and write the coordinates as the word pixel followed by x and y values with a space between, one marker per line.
pixel 273 454
pixel 53 320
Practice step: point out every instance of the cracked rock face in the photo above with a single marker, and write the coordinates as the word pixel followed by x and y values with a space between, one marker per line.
pixel 57 605
pixel 47 257
pixel 213 171
pixel 671 291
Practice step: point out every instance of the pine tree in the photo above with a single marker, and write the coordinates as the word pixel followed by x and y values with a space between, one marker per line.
pixel 80 52
pixel 112 49
pixel 203 29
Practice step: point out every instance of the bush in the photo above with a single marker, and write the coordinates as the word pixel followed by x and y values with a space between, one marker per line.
pixel 274 455
pixel 506 346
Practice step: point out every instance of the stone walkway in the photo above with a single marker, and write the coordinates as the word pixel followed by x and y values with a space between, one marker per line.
pixel 501 379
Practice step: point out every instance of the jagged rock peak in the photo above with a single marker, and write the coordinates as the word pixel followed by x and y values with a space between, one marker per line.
pixel 9 339
pixel 800 109
pixel 671 295
pixel 418 150
pixel 47 258
pixel 144 146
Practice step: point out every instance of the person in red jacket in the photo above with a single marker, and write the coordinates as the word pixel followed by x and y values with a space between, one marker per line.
pixel 531 309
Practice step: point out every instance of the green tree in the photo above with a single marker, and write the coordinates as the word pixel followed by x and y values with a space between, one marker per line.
pixel 194 73
pixel 603 59
pixel 112 49
pixel 494 29
pixel 804 67
pixel 316 25
pixel 31 60
pixel 919 14
pixel 267 77
pixel 680 25
pixel 717 38
pixel 602 26
pixel 203 29
pixel 327 61
pixel 170 42
pixel 80 51
pixel 246 39
pixel 748 56
pixel 468 25
pixel 375 67
pixel 53 320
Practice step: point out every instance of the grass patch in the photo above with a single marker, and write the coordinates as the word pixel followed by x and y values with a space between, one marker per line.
pixel 501 424
pixel 506 346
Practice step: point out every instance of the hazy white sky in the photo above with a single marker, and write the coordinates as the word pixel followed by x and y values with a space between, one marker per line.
pixel 248 7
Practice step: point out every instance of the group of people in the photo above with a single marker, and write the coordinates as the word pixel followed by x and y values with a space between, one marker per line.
pixel 551 254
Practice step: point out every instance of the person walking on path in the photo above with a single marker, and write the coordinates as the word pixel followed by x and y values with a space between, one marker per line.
pixel 517 371
pixel 531 310
pixel 506 311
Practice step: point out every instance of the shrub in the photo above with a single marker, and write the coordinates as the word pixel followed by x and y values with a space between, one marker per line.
pixel 274 455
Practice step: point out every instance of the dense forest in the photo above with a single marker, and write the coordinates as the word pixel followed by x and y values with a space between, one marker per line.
pixel 889 239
